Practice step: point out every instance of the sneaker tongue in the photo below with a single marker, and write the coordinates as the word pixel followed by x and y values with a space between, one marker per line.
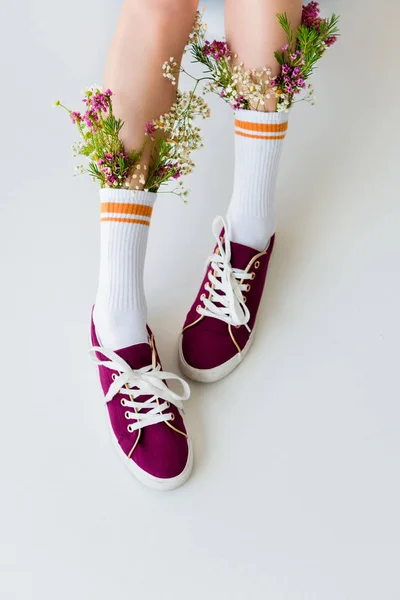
pixel 241 255
pixel 137 356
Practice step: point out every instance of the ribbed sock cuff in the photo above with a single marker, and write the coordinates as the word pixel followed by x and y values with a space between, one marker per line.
pixel 126 206
pixel 256 116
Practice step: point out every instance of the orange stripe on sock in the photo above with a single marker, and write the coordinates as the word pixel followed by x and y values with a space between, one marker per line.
pixel 259 127
pixel 126 209
pixel 121 220
pixel 260 137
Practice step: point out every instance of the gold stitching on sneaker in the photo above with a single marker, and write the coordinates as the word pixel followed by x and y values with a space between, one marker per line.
pixel 194 323
pixel 201 316
pixel 233 338
pixel 254 260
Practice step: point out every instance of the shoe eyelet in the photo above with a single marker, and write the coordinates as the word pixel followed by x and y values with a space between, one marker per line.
pixel 113 377
pixel 248 288
pixel 253 275
pixel 202 297
pixel 244 299
pixel 256 264
pixel 172 417
pixel 197 308
pixel 237 326
pixel 129 428
pixel 127 415
pixel 123 402
pixel 168 405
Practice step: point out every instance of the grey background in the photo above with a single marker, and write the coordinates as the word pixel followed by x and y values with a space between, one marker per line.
pixel 295 492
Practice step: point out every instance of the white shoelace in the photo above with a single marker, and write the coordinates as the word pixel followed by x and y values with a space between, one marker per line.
pixel 226 283
pixel 145 381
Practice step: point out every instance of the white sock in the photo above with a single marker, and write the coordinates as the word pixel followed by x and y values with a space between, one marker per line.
pixel 120 313
pixel 258 145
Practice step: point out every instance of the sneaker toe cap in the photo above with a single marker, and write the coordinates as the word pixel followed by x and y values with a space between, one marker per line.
pixel 161 452
pixel 207 348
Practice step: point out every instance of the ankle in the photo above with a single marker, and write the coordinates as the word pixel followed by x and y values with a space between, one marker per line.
pixel 117 328
pixel 254 232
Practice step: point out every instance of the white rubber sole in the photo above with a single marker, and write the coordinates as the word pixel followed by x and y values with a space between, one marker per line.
pixel 155 483
pixel 216 373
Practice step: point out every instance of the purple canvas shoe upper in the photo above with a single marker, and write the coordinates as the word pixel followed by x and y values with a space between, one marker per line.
pixel 208 342
pixel 160 449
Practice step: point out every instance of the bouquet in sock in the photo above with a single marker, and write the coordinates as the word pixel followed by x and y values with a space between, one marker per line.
pixel 173 137
pixel 250 88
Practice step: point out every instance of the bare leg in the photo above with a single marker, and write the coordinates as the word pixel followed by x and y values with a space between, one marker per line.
pixel 148 33
pixel 254 34
pixel 253 31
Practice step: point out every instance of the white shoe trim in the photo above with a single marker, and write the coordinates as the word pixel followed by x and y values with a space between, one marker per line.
pixel 216 373
pixel 150 481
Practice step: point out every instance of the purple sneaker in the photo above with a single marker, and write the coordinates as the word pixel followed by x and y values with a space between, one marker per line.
pixel 219 328
pixel 145 416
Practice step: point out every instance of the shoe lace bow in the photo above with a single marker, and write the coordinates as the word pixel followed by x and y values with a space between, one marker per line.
pixel 149 381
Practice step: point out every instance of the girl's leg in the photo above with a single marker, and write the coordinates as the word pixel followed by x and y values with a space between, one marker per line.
pixel 219 327
pixel 148 33
pixel 254 34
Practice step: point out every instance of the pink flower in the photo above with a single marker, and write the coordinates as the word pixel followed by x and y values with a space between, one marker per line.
pixel 239 102
pixel 87 119
pixel 177 173
pixel 111 179
pixel 216 49
pixel 108 93
pixel 331 40
pixel 285 47
pixel 310 15
pixel 76 117
pixel 310 18
pixel 150 128
pixel 98 102
pixel 109 157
